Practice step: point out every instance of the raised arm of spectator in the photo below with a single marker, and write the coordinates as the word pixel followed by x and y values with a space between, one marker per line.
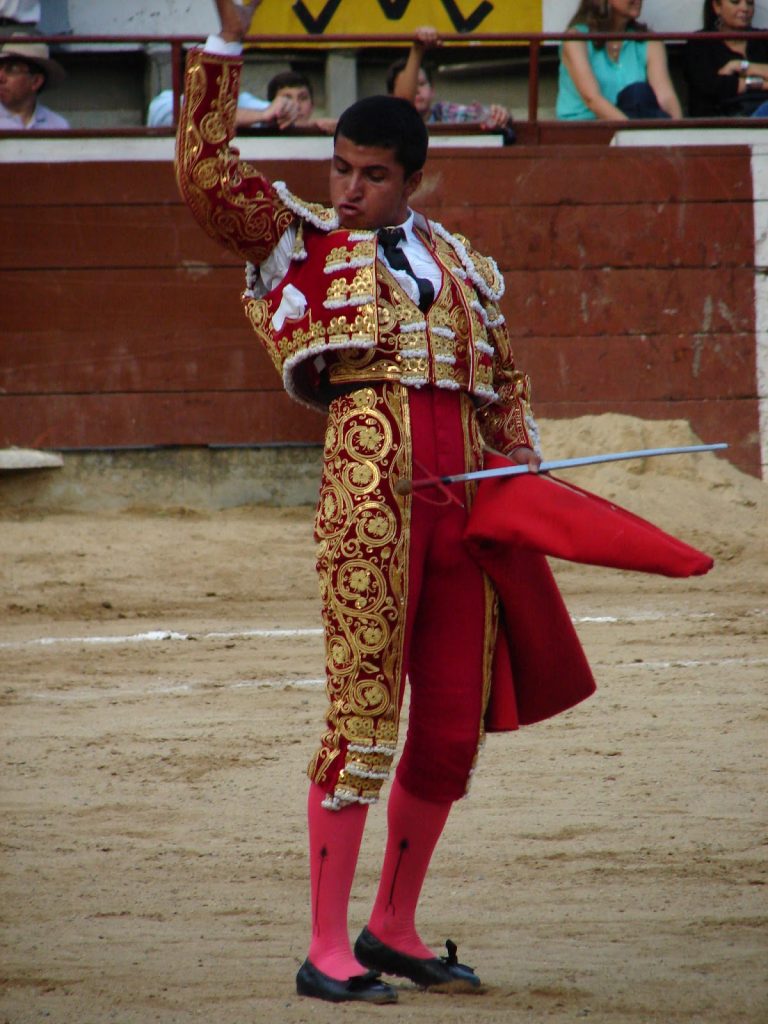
pixel 407 82
pixel 659 80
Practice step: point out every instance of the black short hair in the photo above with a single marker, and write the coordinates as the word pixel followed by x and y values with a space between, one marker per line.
pixel 396 67
pixel 288 80
pixel 390 123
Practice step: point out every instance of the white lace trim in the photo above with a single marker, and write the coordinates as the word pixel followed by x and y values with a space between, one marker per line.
pixel 360 261
pixel 358 748
pixel 364 773
pixel 444 332
pixel 420 325
pixel 482 286
pixel 302 210
pixel 356 300
pixel 482 312
pixel 483 346
pixel 335 803
pixel 533 433
pixel 251 277
pixel 451 385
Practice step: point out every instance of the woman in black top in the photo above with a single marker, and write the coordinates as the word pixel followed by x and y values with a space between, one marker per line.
pixel 726 77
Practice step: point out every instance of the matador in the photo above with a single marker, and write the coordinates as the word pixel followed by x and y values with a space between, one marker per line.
pixel 398 337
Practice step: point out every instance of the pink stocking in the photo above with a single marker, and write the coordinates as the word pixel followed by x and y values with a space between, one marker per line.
pixel 334 845
pixel 413 829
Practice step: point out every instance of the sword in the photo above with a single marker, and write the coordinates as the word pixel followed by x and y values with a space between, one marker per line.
pixel 405 486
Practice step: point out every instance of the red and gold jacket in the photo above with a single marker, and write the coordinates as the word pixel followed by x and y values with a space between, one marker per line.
pixel 339 316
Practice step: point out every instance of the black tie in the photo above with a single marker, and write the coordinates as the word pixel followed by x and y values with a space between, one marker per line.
pixel 390 239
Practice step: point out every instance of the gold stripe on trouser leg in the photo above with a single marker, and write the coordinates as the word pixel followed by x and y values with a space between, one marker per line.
pixel 362 528
pixel 473 459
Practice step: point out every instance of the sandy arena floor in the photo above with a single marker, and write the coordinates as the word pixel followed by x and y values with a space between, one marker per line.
pixel 161 683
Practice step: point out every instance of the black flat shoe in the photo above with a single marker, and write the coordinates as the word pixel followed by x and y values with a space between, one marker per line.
pixel 439 974
pixel 364 988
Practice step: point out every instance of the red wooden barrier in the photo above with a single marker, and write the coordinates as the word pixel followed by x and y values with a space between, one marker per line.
pixel 629 289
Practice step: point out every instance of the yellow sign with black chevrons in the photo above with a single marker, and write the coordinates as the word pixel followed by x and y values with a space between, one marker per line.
pixel 395 17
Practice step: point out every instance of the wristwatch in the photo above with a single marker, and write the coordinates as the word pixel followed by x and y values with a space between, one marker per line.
pixel 744 67
pixel 754 82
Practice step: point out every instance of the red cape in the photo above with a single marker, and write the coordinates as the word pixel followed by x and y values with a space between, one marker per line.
pixel 540 668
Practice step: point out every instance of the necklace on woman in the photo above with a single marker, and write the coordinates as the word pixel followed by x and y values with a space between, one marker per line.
pixel 613 46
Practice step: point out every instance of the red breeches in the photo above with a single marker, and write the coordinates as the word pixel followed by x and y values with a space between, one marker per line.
pixel 401 597
pixel 445 625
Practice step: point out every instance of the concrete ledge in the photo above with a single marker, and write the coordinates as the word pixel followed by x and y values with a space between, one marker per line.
pixel 194 478
pixel 28 458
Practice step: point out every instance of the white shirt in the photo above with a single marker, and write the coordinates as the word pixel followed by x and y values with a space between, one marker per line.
pixel 419 257
pixel 160 110
pixel 43 119
pixel 275 266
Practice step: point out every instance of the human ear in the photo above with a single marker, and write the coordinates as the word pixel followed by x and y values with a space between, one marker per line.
pixel 412 182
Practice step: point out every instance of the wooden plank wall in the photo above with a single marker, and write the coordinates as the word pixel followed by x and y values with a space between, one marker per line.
pixel 629 289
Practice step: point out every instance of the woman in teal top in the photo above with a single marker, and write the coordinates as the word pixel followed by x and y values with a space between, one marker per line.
pixel 613 80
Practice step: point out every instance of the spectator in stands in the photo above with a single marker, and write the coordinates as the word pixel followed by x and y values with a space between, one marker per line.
pixel 296 89
pixel 727 77
pixel 614 80
pixel 25 70
pixel 409 80
pixel 289 102
pixel 250 110
pixel 19 16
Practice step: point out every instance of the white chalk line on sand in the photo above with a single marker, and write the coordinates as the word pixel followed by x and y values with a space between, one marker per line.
pixel 692 663
pixel 165 635
pixel 166 689
pixel 161 636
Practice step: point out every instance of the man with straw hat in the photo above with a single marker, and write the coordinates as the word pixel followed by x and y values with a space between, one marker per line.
pixel 25 70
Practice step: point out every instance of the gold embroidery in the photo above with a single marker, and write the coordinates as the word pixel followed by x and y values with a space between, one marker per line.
pixel 298 243
pixel 364 325
pixel 356 292
pixel 440 315
pixel 342 257
pixel 413 341
pixel 338 292
pixel 443 346
pixel 362 283
pixel 415 368
pixel 212 128
pixel 206 174
pixel 444 371
pixel 362 563
pixel 487 271
pixel 231 201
